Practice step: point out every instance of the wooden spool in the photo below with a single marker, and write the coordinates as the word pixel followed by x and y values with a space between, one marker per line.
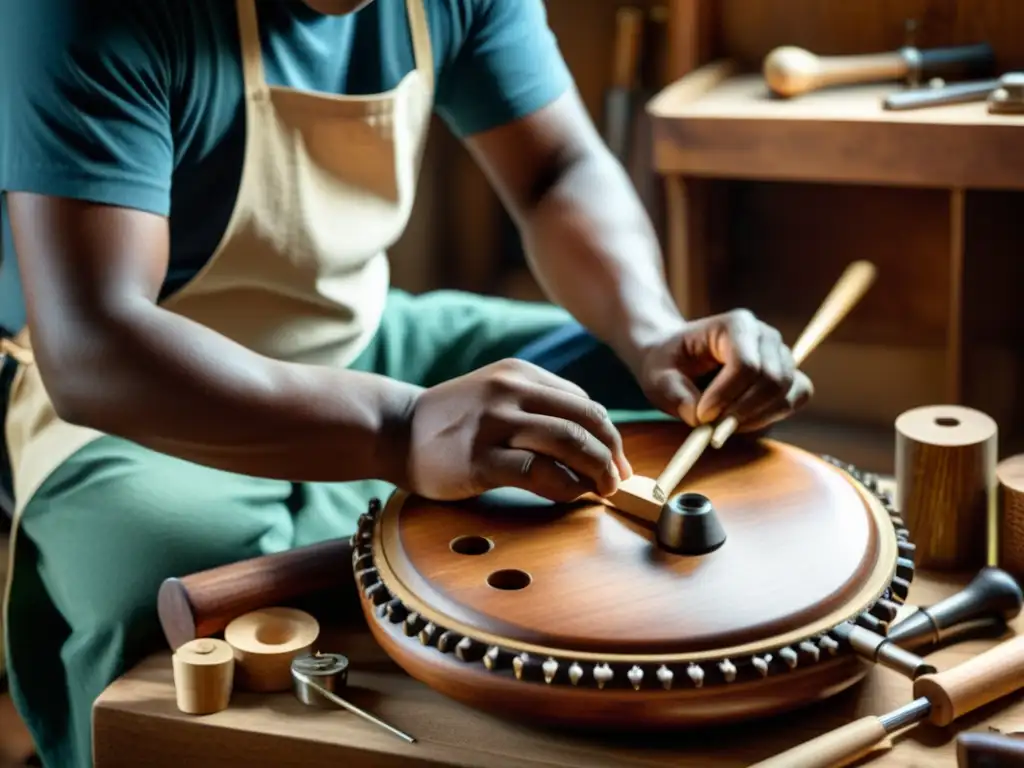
pixel 1010 474
pixel 265 642
pixel 203 676
pixel 572 615
pixel 946 487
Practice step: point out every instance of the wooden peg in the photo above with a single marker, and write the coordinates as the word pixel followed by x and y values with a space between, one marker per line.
pixel 204 671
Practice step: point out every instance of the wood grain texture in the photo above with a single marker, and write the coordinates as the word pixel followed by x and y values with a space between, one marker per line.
pixel 574 614
pixel 749 29
pixel 840 747
pixel 945 470
pixel 599 583
pixel 959 690
pixel 136 722
pixel 842 135
pixel 1010 474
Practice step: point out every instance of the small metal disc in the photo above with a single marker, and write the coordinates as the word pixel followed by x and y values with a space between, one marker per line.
pixel 328 670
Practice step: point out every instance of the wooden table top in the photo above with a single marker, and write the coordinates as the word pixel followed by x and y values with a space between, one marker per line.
pixel 136 722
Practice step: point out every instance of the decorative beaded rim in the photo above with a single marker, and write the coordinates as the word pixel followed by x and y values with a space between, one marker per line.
pixel 564 669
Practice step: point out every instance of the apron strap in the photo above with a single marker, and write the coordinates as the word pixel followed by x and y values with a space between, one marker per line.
pixel 252 54
pixel 421 39
pixel 15 351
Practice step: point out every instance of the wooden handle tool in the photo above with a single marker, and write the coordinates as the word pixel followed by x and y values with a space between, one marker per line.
pixel 848 290
pixel 791 71
pixel 643 497
pixel 939 698
pixel 991 600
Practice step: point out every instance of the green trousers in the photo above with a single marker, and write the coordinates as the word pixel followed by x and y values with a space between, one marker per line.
pixel 116 519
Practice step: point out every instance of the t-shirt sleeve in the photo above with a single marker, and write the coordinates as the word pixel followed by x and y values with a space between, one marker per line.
pixel 85 101
pixel 507 66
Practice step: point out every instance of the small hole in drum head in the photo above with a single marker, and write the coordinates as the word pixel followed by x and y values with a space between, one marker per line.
pixel 509 579
pixel 947 421
pixel 471 545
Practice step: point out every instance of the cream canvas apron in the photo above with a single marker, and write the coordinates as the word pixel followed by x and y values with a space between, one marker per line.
pixel 301 271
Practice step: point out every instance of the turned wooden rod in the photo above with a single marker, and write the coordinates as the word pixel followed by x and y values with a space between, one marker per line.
pixel 202 604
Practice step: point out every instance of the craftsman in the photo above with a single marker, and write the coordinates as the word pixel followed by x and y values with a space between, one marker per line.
pixel 200 224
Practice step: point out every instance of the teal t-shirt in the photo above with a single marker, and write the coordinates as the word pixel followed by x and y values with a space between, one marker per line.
pixel 138 103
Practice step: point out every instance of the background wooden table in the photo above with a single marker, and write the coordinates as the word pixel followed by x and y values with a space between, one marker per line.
pixel 137 723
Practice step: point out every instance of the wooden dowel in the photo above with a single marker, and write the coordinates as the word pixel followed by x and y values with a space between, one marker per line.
pixel 684 458
pixel 204 603
pixel 835 748
pixel 974 683
pixel 848 290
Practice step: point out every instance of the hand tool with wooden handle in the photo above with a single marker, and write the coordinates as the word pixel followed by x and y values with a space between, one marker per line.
pixel 992 599
pixel 843 297
pixel 791 71
pixel 644 497
pixel 939 698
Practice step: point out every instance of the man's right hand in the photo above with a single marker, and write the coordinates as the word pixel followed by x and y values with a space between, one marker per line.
pixel 512 424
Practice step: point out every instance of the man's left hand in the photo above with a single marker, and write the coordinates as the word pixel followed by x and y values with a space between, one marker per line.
pixel 756 380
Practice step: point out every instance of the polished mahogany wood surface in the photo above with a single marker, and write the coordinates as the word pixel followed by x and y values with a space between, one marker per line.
pixel 802 540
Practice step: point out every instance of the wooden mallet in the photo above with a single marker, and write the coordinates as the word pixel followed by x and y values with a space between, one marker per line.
pixel 644 497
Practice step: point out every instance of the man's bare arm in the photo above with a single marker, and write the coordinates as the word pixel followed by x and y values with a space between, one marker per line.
pixel 113 360
pixel 588 238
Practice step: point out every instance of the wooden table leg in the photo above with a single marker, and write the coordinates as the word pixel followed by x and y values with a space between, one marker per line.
pixel 687 213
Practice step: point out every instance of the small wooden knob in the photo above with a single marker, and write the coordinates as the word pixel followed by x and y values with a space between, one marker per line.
pixel 265 642
pixel 203 676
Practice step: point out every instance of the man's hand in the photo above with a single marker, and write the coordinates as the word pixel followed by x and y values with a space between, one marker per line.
pixel 512 424
pixel 757 381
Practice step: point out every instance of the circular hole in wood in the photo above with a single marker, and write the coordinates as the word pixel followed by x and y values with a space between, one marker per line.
pixel 471 545
pixel 275 631
pixel 947 421
pixel 509 579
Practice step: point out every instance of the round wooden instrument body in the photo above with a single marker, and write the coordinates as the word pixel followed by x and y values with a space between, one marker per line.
pixel 572 615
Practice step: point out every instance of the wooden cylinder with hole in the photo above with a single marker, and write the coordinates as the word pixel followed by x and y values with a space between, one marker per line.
pixel 1010 475
pixel 203 676
pixel 945 484
pixel 265 642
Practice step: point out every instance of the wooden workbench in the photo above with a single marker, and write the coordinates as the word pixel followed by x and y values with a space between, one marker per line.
pixel 137 723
